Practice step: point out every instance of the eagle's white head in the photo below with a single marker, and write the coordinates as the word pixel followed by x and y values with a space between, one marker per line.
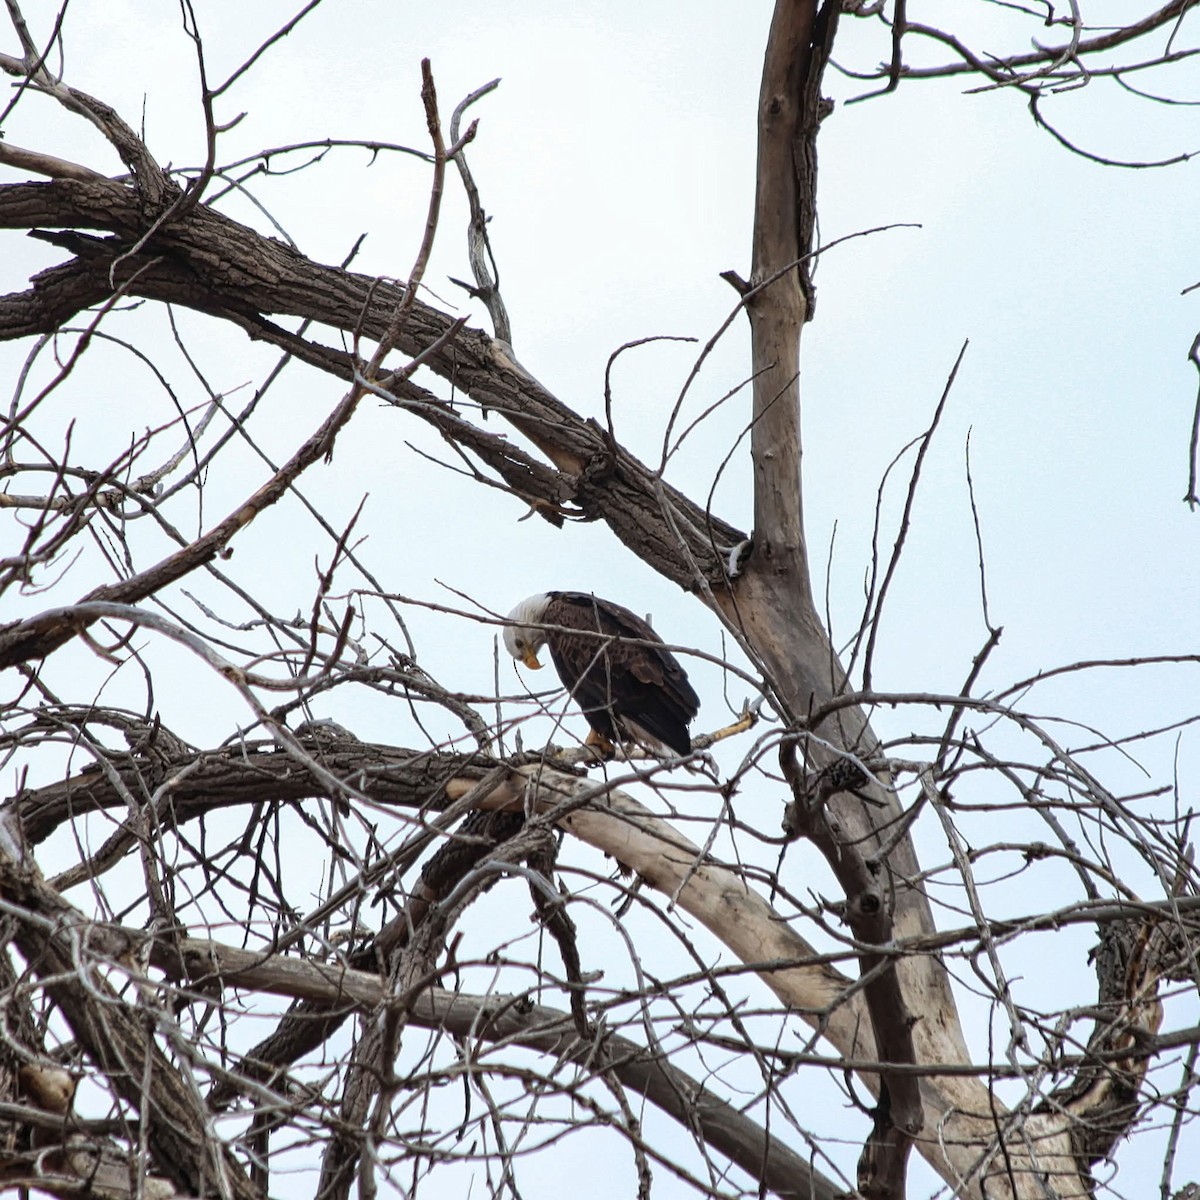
pixel 523 638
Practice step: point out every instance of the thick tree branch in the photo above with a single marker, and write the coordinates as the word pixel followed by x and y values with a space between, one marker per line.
pixel 898 1116
pixel 784 218
pixel 114 1034
pixel 510 1019
pixel 210 263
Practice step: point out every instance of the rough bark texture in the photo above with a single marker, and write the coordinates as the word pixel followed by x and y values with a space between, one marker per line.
pixel 215 265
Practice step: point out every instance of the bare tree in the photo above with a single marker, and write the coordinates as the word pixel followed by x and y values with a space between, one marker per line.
pixel 188 1011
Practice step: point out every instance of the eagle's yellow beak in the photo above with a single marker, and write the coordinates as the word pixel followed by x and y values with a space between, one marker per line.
pixel 530 659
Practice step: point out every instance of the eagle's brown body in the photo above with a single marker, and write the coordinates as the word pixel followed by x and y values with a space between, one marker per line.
pixel 629 686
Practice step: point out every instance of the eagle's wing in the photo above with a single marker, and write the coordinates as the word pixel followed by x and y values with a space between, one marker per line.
pixel 619 672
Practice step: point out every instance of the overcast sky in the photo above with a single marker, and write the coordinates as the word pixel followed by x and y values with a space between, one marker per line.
pixel 617 163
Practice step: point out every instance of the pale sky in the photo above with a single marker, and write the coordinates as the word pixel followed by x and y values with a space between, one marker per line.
pixel 616 161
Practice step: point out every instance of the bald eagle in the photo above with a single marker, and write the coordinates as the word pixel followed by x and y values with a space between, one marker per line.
pixel 630 687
